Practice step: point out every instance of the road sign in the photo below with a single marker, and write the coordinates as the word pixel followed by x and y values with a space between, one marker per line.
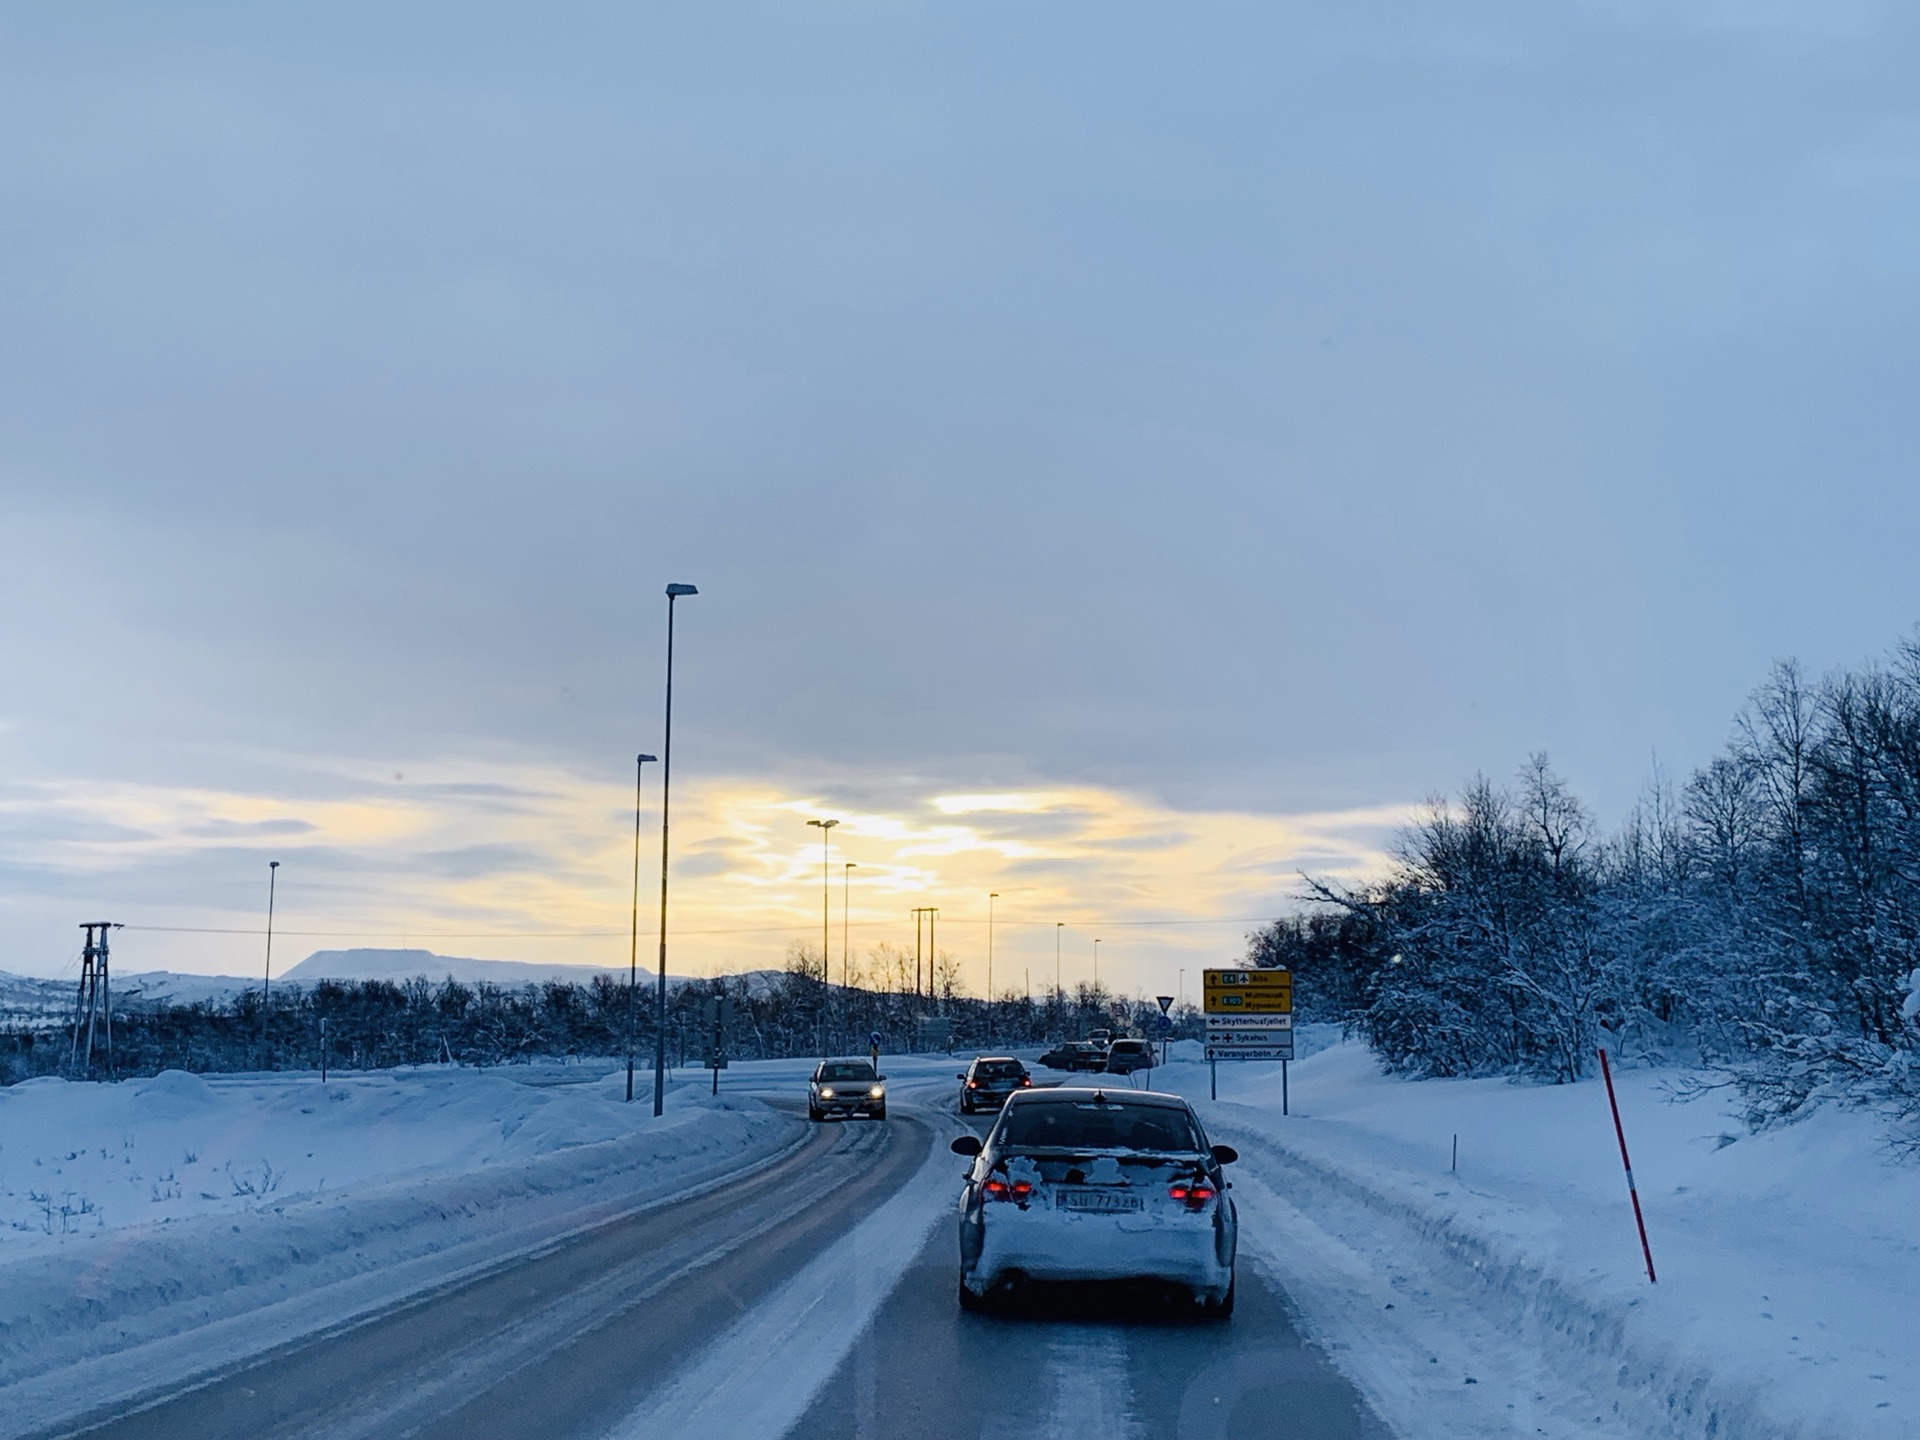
pixel 873 1039
pixel 1250 1052
pixel 1164 1024
pixel 1166 1003
pixel 1247 992
pixel 1248 1024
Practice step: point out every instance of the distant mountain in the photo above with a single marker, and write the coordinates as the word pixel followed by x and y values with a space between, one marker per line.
pixel 405 964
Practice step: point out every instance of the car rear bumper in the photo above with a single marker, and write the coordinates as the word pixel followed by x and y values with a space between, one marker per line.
pixel 1048 1246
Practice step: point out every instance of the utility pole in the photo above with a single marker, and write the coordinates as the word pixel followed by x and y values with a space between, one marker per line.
pixel 919 910
pixel 94 1003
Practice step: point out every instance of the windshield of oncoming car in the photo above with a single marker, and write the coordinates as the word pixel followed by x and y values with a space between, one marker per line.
pixel 1091 1125
pixel 846 1072
pixel 997 1069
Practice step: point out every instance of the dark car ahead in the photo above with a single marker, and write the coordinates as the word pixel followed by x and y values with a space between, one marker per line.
pixel 1126 1056
pixel 1074 1055
pixel 989 1080
pixel 846 1087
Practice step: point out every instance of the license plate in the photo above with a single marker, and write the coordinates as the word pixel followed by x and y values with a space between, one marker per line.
pixel 1104 1201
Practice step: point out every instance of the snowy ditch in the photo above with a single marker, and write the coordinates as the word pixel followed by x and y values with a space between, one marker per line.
pixel 1508 1298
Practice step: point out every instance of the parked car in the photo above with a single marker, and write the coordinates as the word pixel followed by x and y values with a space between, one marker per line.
pixel 846 1087
pixel 1126 1056
pixel 1074 1055
pixel 1084 1184
pixel 989 1080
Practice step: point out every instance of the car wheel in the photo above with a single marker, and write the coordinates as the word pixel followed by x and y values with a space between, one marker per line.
pixel 1223 1307
pixel 881 1113
pixel 813 1114
pixel 971 1303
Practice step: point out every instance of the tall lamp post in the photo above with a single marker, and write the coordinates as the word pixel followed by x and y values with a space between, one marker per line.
pixel 826 854
pixel 674 592
pixel 846 914
pixel 633 950
pixel 266 981
pixel 995 895
pixel 1096 967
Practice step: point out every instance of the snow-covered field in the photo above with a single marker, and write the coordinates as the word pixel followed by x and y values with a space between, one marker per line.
pixel 1509 1297
pixel 146 1223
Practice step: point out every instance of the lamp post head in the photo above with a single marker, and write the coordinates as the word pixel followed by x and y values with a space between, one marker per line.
pixel 674 592
pixel 648 759
pixel 824 824
pixel 273 864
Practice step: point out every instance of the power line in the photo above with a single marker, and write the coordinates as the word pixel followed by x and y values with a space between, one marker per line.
pixel 805 927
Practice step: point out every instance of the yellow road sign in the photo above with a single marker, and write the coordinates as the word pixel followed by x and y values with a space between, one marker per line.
pixel 1247 992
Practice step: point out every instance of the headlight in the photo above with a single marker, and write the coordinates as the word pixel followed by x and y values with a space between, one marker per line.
pixel 826 1092
pixel 876 1093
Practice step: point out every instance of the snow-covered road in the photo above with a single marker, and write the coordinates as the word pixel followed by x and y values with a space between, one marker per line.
pixel 546 1261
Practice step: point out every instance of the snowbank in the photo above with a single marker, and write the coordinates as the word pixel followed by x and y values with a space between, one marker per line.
pixel 151 1226
pixel 1788 1262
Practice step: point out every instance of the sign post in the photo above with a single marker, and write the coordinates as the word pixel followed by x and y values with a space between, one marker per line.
pixel 718 1014
pixel 1165 1025
pixel 873 1049
pixel 1249 1016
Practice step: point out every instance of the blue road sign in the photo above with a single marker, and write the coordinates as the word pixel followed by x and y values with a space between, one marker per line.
pixel 873 1039
pixel 1166 1024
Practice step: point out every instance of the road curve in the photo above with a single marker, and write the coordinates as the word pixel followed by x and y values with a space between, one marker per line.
pixel 562 1344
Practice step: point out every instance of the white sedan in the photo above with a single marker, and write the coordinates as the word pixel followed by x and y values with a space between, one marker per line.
pixel 1090 1184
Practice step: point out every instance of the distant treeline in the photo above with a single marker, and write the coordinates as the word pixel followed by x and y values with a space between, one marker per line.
pixel 1763 916
pixel 378 1024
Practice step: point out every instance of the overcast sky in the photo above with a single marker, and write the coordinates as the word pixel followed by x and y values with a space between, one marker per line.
pixel 1213 427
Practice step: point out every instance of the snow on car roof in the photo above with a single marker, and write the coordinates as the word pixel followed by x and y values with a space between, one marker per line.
pixel 1056 1094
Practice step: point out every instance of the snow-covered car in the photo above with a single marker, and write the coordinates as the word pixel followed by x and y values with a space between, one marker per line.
pixel 989 1080
pixel 1074 1055
pixel 846 1087
pixel 1126 1056
pixel 1083 1184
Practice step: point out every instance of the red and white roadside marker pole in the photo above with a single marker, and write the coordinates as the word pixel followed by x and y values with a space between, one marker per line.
pixel 1627 1165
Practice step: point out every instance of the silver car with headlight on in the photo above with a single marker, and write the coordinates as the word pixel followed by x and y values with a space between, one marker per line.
pixel 1091 1184
pixel 846 1087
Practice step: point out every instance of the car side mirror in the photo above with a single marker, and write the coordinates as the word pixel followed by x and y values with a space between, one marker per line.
pixel 1225 1154
pixel 879 1078
pixel 968 1145
pixel 959 1074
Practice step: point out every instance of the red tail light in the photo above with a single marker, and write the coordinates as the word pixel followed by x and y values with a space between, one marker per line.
pixel 1001 1190
pixel 1194 1196
pixel 1026 1080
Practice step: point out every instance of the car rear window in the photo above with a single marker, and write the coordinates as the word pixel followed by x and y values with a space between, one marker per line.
pixel 846 1072
pixel 1089 1125
pixel 999 1069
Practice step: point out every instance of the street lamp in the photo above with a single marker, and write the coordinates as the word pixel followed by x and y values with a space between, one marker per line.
pixel 846 923
pixel 995 895
pixel 633 949
pixel 826 851
pixel 266 982
pixel 1096 967
pixel 674 592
